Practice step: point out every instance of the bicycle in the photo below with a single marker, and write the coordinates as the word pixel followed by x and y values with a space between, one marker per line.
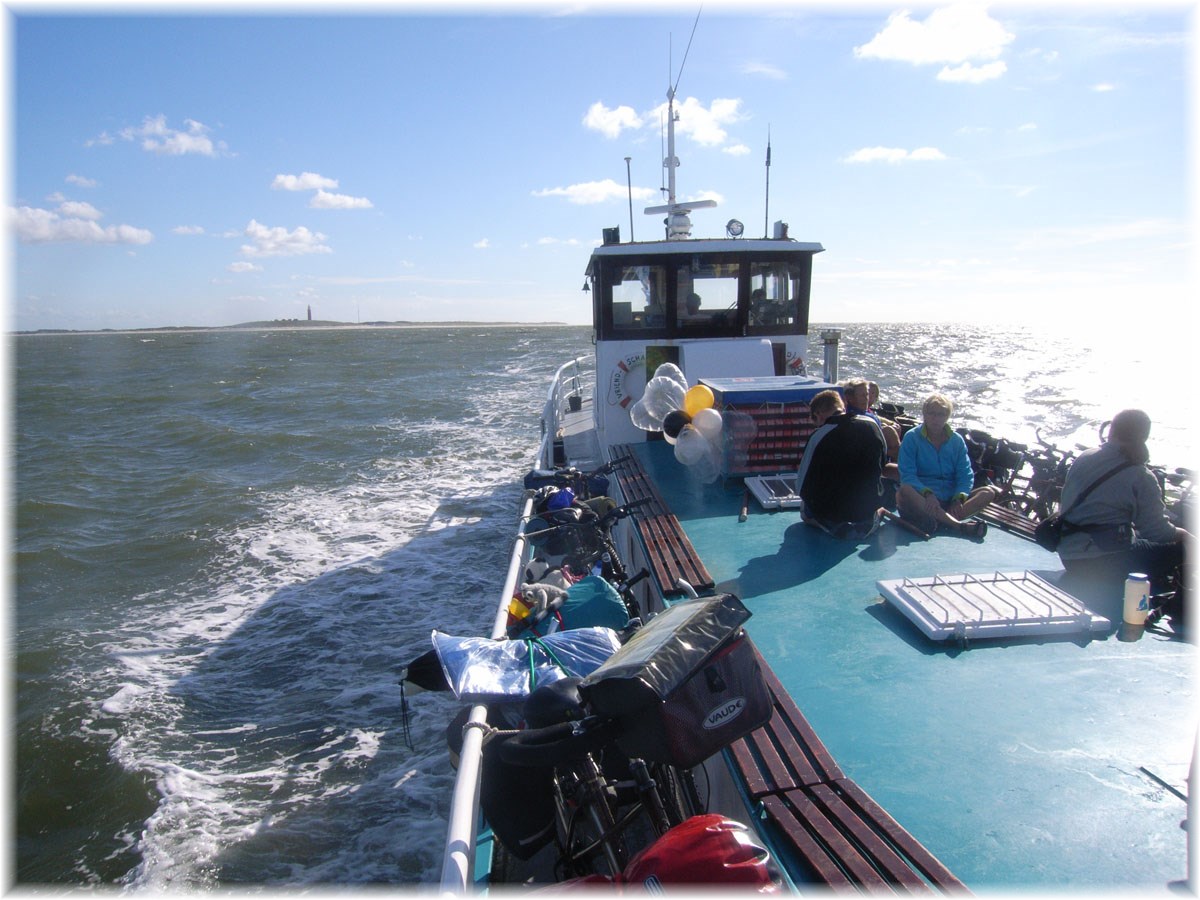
pixel 1035 495
pixel 619 767
pixel 579 539
pixel 583 485
pixel 995 462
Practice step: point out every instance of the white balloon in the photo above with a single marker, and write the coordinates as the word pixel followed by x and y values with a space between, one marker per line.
pixel 663 396
pixel 708 422
pixel 706 469
pixel 673 372
pixel 690 446
pixel 642 417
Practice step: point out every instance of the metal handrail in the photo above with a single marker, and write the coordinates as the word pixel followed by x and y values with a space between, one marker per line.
pixel 552 411
pixel 458 863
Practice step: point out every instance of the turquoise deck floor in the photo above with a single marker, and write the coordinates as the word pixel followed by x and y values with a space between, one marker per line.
pixel 1017 762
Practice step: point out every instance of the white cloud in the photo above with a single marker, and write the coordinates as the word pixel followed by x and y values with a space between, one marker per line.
pixel 736 149
pixel 81 181
pixel 971 74
pixel 187 229
pixel 281 242
pixel 1103 87
pixel 611 122
pixel 77 209
pixel 704 126
pixel 43 226
pixel 589 192
pixel 895 155
pixel 305 181
pixel 244 267
pixel 157 137
pixel 482 244
pixel 955 34
pixel 765 69
pixel 326 200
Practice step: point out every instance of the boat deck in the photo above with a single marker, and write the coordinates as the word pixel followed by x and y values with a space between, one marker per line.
pixel 1048 761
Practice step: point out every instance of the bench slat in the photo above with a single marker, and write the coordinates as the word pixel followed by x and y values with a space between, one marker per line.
pixel 801 735
pixel 916 852
pixel 832 824
pixel 808 825
pixel 876 851
pixel 805 846
pixel 1009 520
pixel 671 554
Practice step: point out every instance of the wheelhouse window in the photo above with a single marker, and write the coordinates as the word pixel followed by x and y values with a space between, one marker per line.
pixel 639 298
pixel 774 291
pixel 706 298
pixel 700 295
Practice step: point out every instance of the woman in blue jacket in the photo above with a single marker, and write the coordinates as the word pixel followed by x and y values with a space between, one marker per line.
pixel 936 479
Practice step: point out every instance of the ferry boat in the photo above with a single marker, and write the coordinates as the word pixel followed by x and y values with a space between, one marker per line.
pixel 919 738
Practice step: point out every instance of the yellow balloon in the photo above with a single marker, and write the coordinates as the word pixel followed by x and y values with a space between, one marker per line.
pixel 698 398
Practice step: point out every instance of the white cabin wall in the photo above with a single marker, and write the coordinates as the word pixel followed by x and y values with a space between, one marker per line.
pixel 621 377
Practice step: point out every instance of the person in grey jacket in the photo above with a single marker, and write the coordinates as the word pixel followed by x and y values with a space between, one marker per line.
pixel 1121 526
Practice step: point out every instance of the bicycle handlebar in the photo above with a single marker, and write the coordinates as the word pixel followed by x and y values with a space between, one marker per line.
pixel 618 512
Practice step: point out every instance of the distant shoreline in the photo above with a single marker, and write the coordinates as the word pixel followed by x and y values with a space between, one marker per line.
pixel 286 325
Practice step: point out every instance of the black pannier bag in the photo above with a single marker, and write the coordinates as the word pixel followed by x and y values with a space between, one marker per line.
pixel 517 801
pixel 684 686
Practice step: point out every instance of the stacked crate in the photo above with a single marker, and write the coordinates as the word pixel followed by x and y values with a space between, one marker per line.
pixel 767 421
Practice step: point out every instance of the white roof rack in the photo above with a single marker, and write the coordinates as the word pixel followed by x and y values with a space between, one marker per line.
pixel 989 606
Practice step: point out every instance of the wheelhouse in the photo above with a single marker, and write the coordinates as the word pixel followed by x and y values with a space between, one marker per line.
pixel 701 289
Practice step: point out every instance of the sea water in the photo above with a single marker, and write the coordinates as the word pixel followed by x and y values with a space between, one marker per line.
pixel 227 544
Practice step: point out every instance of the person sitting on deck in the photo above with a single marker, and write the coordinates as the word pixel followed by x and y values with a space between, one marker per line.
pixel 839 475
pixel 936 478
pixel 858 402
pixel 1121 526
pixel 872 400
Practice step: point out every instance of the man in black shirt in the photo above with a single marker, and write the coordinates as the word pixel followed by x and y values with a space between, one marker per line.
pixel 840 475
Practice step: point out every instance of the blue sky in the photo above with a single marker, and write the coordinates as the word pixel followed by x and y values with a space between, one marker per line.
pixel 958 161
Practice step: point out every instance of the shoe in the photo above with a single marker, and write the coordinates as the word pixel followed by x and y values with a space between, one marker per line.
pixel 874 525
pixel 843 531
pixel 974 529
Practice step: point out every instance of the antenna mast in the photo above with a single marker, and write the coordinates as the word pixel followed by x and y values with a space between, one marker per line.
pixel 629 186
pixel 679 226
pixel 767 204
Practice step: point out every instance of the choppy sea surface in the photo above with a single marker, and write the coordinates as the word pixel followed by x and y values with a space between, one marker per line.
pixel 227 544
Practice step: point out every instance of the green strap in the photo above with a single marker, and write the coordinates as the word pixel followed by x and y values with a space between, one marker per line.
pixel 535 640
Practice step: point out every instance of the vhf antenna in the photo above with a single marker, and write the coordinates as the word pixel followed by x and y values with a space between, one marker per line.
pixel 767 205
pixel 679 226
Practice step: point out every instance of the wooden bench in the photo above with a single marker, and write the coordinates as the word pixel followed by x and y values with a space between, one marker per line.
pixel 1008 520
pixel 670 554
pixel 820 816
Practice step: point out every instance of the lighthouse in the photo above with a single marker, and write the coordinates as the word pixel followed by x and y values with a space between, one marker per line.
pixel 310 312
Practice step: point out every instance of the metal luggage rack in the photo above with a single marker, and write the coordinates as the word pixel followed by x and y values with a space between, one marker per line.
pixel 988 606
